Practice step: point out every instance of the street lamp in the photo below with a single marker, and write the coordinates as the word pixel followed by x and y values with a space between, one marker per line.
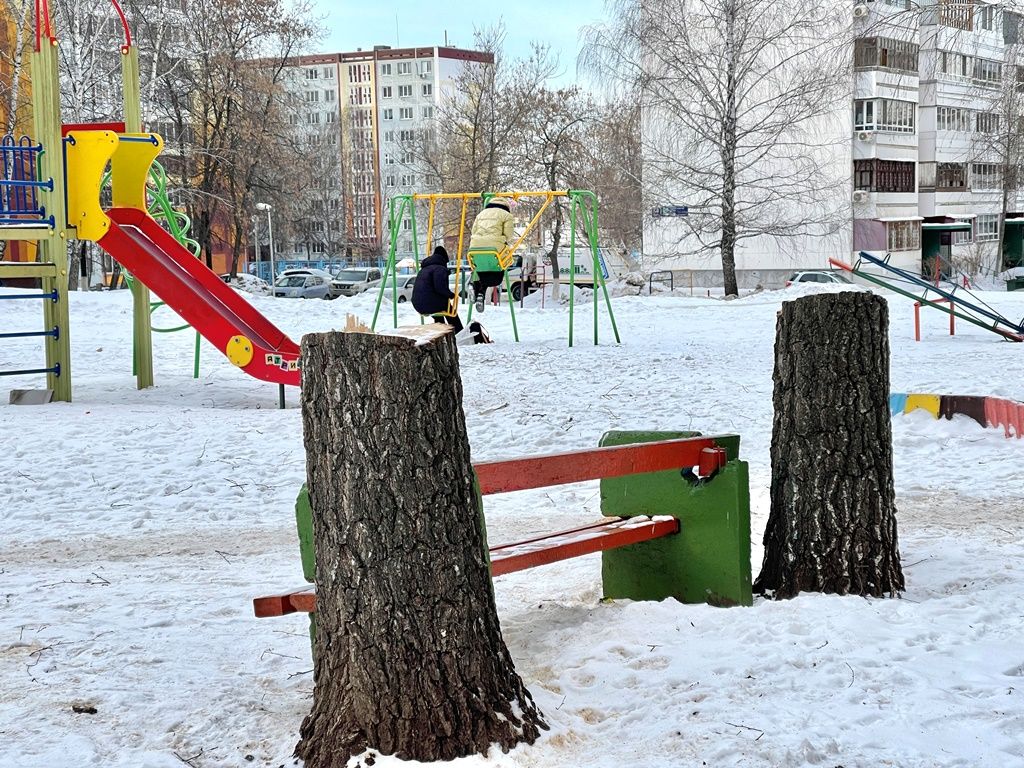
pixel 270 233
pixel 256 244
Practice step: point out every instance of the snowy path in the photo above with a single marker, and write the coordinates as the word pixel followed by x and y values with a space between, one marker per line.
pixel 135 527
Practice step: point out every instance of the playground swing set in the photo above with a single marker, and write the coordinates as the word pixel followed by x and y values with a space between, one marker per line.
pixel 583 211
pixel 50 197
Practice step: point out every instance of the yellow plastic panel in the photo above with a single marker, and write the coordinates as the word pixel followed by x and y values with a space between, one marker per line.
pixel 239 351
pixel 88 153
pixel 129 168
pixel 928 403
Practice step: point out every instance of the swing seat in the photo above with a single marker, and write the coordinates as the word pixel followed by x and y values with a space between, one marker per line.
pixel 489 260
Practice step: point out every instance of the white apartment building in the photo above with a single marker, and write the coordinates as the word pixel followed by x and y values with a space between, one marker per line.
pixel 370 108
pixel 928 109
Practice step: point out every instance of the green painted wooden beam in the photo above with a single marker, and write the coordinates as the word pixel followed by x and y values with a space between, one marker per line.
pixel 13 269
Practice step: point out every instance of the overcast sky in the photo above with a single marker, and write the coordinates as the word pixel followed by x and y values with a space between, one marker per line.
pixel 409 23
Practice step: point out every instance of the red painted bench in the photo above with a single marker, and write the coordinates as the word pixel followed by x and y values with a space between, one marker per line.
pixel 702 454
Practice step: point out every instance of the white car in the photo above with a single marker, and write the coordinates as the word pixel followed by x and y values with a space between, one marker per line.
pixel 403 284
pixel 354 280
pixel 818 276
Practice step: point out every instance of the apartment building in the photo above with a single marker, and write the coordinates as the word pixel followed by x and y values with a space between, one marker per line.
pixel 936 116
pixel 933 120
pixel 368 109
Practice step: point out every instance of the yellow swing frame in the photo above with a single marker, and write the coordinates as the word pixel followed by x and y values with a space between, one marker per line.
pixel 505 257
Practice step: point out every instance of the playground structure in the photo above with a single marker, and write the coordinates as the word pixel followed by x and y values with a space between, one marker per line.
pixel 677 519
pixel 51 196
pixel 975 312
pixel 583 210
pixel 989 412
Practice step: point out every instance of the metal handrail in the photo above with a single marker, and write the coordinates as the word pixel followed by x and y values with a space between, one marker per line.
pixel 671 280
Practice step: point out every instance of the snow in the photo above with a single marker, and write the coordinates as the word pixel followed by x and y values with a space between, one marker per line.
pixel 137 526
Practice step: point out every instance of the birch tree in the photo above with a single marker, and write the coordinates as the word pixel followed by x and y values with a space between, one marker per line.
pixel 13 59
pixel 736 96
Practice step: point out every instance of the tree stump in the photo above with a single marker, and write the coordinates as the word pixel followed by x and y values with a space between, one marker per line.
pixel 832 526
pixel 408 656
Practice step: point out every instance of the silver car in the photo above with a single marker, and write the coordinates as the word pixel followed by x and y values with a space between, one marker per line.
pixel 302 284
pixel 354 280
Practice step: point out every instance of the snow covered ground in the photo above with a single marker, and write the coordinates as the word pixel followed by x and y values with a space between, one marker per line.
pixel 136 526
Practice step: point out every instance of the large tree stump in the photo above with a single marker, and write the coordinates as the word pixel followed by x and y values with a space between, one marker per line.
pixel 832 526
pixel 408 656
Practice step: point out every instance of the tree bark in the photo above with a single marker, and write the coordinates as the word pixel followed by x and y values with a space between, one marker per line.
pixel 408 656
pixel 832 525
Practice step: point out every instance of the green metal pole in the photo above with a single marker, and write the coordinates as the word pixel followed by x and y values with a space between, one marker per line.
pixel 195 369
pixel 511 307
pixel 389 268
pixel 141 322
pixel 54 249
pixel 590 224
pixel 415 256
pixel 573 202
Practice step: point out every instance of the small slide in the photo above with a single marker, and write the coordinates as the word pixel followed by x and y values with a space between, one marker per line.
pixel 203 300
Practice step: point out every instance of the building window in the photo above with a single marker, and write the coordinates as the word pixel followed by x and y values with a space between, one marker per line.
pixel 987 17
pixel 408 180
pixel 988 122
pixel 884 176
pixel 405 91
pixel 389 159
pixel 950 177
pixel 389 136
pixel 405 67
pixel 426 67
pixel 390 180
pixel 963 236
pixel 328 95
pixel 406 135
pixel 406 224
pixel 888 115
pixel 428 112
pixel 903 235
pixel 988 72
pixel 312 96
pixel 956 15
pixel 312 74
pixel 428 89
pixel 405 113
pixel 385 92
pixel 407 158
pixel 328 73
pixel 313 118
pixel 986 227
pixel 388 114
pixel 385 69
pixel 955 66
pixel 985 176
pixel 953 119
pixel 885 53
pixel 331 117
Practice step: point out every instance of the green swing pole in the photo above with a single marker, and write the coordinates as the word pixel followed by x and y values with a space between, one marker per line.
pixel 573 202
pixel 590 224
pixel 389 268
pixel 415 257
pixel 511 307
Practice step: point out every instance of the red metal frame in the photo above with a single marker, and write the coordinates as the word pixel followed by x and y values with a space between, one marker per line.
pixel 579 466
pixel 68 127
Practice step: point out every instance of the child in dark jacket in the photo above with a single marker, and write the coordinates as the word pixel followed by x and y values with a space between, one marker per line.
pixel 430 292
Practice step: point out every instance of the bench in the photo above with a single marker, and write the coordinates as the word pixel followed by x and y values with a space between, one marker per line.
pixel 677 519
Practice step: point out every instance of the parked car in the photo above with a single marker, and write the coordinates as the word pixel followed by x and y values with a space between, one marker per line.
pixel 403 283
pixel 354 280
pixel 303 284
pixel 818 276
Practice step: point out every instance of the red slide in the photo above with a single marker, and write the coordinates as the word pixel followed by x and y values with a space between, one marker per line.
pixel 203 300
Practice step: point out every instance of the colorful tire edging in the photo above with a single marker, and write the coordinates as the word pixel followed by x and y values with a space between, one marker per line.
pixel 987 411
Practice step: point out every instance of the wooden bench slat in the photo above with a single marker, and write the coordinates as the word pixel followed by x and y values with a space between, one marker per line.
pixel 595 464
pixel 516 556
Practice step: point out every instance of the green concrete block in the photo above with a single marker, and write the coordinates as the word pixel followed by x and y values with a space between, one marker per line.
pixel 709 560
pixel 304 522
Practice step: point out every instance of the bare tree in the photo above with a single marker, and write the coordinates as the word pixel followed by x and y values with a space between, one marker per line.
pixel 15 27
pixel 736 98
pixel 231 110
